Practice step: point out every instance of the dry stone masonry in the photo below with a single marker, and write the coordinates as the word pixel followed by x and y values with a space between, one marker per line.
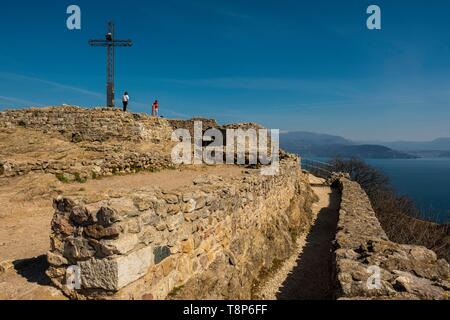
pixel 363 251
pixel 89 128
pixel 80 124
pixel 211 240
pixel 70 171
pixel 93 127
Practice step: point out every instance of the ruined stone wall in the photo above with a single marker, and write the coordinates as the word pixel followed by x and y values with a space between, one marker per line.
pixel 189 124
pixel 82 170
pixel 102 124
pixel 79 124
pixel 211 240
pixel 362 249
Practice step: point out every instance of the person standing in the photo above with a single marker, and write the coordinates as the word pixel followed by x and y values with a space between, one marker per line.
pixel 155 108
pixel 125 100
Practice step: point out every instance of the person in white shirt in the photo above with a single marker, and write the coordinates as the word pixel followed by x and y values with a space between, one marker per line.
pixel 125 100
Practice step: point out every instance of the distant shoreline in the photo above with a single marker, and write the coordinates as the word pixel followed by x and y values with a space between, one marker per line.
pixel 423 180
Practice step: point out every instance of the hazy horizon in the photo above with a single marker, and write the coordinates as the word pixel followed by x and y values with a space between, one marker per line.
pixel 362 141
pixel 288 65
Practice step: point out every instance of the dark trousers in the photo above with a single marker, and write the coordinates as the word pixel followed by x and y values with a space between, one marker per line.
pixel 125 105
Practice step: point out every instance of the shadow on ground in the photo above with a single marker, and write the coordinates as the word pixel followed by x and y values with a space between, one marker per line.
pixel 311 278
pixel 33 270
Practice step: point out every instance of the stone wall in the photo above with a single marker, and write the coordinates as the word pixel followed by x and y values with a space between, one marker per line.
pixel 81 170
pixel 211 240
pixel 102 124
pixel 189 124
pixel 362 249
pixel 79 124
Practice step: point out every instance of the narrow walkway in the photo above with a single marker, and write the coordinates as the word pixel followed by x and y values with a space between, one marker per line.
pixel 307 274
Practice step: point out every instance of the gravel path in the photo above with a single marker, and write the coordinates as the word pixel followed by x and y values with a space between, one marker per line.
pixel 306 274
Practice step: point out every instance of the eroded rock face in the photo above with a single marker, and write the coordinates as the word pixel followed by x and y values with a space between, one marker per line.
pixel 210 240
pixel 369 266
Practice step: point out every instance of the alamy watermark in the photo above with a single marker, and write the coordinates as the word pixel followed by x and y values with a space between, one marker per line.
pixel 230 146
pixel 73 22
pixel 374 20
pixel 73 278
pixel 374 280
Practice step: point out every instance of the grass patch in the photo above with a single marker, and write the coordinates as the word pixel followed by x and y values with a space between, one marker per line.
pixel 96 176
pixel 294 233
pixel 79 178
pixel 175 292
pixel 264 275
pixel 61 177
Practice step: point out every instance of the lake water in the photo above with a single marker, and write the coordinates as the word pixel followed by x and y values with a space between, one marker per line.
pixel 426 181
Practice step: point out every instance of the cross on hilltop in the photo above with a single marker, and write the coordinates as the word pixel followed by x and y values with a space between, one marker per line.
pixel 110 43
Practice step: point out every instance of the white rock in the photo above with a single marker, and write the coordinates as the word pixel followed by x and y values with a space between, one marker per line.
pixel 114 274
pixel 123 244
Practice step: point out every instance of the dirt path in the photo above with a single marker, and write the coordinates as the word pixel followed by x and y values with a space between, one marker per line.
pixel 26 212
pixel 307 274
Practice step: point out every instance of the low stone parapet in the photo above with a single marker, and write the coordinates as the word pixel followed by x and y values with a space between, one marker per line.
pixel 81 170
pixel 369 266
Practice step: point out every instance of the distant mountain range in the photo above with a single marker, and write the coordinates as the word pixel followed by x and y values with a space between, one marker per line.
pixel 311 144
pixel 445 154
pixel 440 144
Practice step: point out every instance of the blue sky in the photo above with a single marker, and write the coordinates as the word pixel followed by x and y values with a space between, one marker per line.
pixel 292 65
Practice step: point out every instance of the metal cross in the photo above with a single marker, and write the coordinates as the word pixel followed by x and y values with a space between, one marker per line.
pixel 110 43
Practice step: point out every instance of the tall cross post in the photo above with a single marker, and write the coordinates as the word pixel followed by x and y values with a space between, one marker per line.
pixel 110 42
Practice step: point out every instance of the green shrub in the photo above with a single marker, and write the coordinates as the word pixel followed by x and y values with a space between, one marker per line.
pixel 61 177
pixel 79 178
